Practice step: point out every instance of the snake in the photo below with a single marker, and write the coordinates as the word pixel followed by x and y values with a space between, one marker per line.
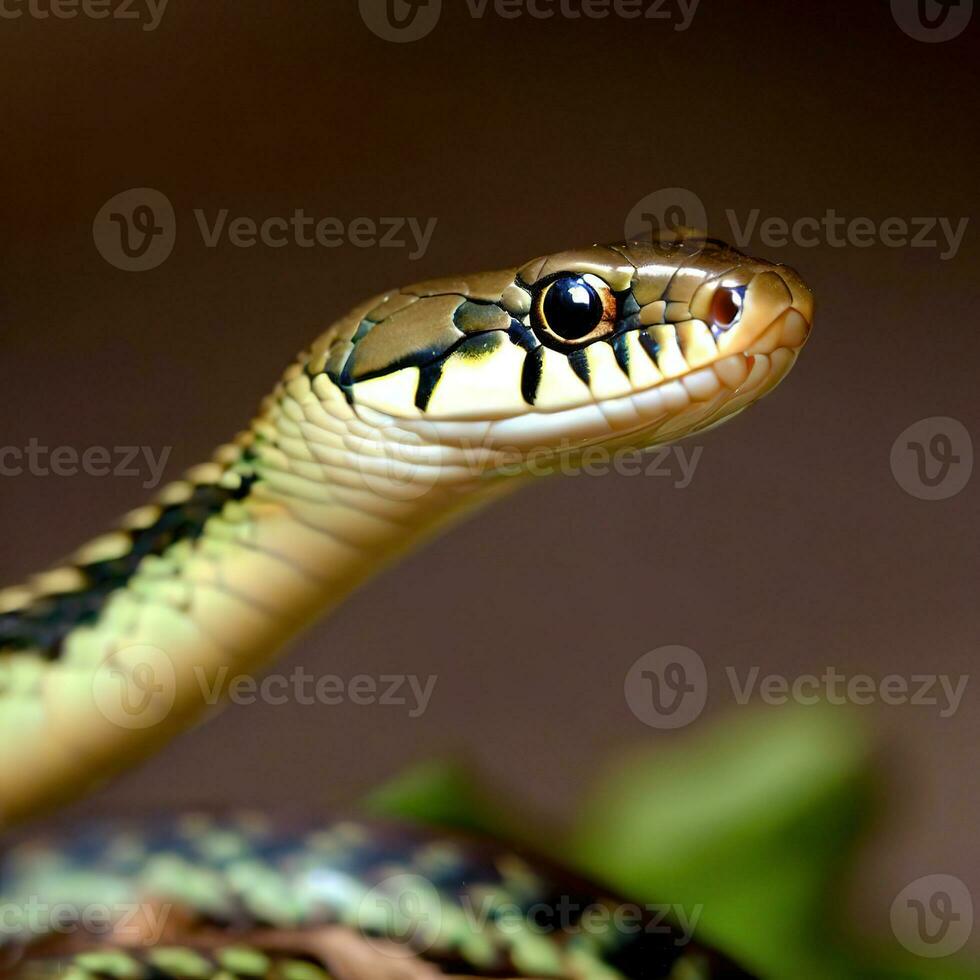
pixel 417 407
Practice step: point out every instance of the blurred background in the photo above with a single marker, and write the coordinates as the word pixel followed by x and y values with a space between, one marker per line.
pixel 802 540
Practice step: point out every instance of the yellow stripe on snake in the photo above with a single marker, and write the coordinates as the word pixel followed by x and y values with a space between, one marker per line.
pixel 418 405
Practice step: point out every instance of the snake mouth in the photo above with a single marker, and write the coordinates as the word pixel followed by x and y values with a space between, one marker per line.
pixel 643 371
pixel 459 451
pixel 497 375
pixel 663 413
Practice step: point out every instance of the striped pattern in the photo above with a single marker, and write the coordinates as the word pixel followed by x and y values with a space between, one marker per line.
pixel 45 620
pixel 175 963
pixel 467 905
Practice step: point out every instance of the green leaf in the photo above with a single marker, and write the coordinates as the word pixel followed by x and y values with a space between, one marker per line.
pixel 441 794
pixel 751 825
pixel 754 825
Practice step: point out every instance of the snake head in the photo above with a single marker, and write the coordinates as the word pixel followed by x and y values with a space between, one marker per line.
pixel 628 345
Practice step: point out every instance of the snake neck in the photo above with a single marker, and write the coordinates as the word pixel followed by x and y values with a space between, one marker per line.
pixel 110 655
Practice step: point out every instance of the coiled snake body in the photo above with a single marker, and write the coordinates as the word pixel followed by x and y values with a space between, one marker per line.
pixel 414 407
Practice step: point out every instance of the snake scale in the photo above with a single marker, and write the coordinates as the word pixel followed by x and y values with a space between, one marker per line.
pixel 408 412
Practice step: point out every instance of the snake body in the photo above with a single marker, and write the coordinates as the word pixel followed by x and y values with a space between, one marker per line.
pixel 209 888
pixel 419 404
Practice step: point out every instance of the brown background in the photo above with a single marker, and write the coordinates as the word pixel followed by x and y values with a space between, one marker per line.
pixel 793 549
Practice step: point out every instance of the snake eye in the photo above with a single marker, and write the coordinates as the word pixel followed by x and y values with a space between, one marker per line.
pixel 726 306
pixel 574 310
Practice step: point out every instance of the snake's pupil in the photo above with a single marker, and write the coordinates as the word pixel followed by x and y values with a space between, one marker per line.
pixel 572 308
